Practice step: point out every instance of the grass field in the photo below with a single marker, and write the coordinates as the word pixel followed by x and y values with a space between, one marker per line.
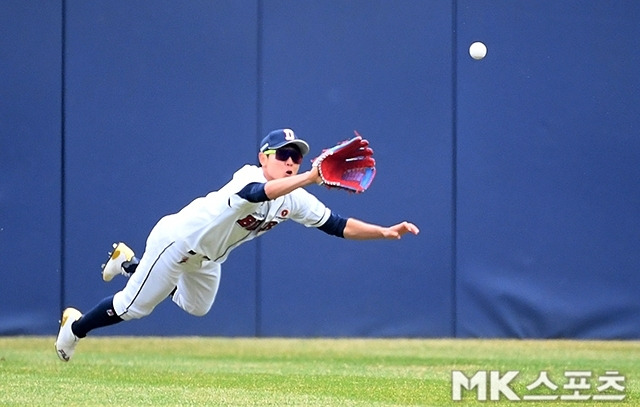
pixel 147 371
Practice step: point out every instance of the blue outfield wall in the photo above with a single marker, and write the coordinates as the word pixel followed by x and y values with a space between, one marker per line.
pixel 521 169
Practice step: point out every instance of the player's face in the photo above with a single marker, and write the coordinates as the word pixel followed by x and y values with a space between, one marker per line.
pixel 280 163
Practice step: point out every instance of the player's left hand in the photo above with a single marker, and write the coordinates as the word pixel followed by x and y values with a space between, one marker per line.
pixel 349 165
pixel 401 229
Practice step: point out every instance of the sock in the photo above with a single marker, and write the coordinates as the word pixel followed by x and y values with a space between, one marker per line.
pixel 130 266
pixel 101 315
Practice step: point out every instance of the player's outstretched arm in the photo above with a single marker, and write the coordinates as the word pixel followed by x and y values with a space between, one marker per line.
pixel 278 187
pixel 359 230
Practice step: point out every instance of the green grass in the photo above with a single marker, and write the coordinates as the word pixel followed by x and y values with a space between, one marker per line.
pixel 144 371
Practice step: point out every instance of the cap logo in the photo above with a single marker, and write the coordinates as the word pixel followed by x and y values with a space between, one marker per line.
pixel 289 135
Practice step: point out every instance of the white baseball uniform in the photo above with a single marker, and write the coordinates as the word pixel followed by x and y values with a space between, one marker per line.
pixel 186 249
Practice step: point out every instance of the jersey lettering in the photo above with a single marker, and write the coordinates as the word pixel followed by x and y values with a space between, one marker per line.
pixel 251 223
pixel 268 226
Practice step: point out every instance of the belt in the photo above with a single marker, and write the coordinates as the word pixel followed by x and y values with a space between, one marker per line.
pixel 191 252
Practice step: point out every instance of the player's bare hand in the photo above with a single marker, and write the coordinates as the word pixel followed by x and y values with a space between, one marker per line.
pixel 401 229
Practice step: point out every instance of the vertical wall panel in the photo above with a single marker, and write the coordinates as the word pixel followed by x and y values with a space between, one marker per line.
pixel 30 52
pixel 384 69
pixel 549 226
pixel 161 109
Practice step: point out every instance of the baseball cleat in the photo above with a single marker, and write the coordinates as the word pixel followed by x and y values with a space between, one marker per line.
pixel 66 341
pixel 121 261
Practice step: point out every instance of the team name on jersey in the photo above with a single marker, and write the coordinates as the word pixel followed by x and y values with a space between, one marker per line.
pixel 251 223
pixel 256 221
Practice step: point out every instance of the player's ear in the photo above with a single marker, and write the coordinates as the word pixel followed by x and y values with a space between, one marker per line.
pixel 262 159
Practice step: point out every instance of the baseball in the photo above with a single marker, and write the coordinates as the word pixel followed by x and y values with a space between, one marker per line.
pixel 478 50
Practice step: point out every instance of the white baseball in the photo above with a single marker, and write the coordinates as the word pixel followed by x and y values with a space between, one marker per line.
pixel 478 50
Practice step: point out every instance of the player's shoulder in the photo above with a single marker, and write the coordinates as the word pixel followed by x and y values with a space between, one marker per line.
pixel 250 172
pixel 245 175
pixel 249 169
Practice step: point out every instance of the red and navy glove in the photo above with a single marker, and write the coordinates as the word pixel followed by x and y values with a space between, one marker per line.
pixel 349 165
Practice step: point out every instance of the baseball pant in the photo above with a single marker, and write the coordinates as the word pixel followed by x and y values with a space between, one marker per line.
pixel 165 266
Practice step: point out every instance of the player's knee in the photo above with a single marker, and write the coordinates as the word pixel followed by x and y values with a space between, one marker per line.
pixel 198 311
pixel 191 305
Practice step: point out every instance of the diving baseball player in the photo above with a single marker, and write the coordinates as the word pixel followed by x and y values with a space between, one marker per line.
pixel 184 251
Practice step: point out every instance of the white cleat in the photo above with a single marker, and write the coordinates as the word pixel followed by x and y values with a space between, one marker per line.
pixel 66 341
pixel 121 256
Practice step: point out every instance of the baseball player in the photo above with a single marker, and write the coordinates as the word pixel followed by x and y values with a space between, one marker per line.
pixel 184 251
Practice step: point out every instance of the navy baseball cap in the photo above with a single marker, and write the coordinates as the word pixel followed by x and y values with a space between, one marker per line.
pixel 280 138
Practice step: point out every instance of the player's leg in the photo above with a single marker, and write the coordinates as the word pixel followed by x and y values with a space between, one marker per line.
pixel 197 288
pixel 155 278
pixel 99 316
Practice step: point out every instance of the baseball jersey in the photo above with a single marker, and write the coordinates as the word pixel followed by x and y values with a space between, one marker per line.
pixel 222 220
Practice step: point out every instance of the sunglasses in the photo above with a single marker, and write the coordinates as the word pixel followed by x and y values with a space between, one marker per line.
pixel 283 154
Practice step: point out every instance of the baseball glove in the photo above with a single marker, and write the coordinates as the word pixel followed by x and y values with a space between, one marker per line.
pixel 348 165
